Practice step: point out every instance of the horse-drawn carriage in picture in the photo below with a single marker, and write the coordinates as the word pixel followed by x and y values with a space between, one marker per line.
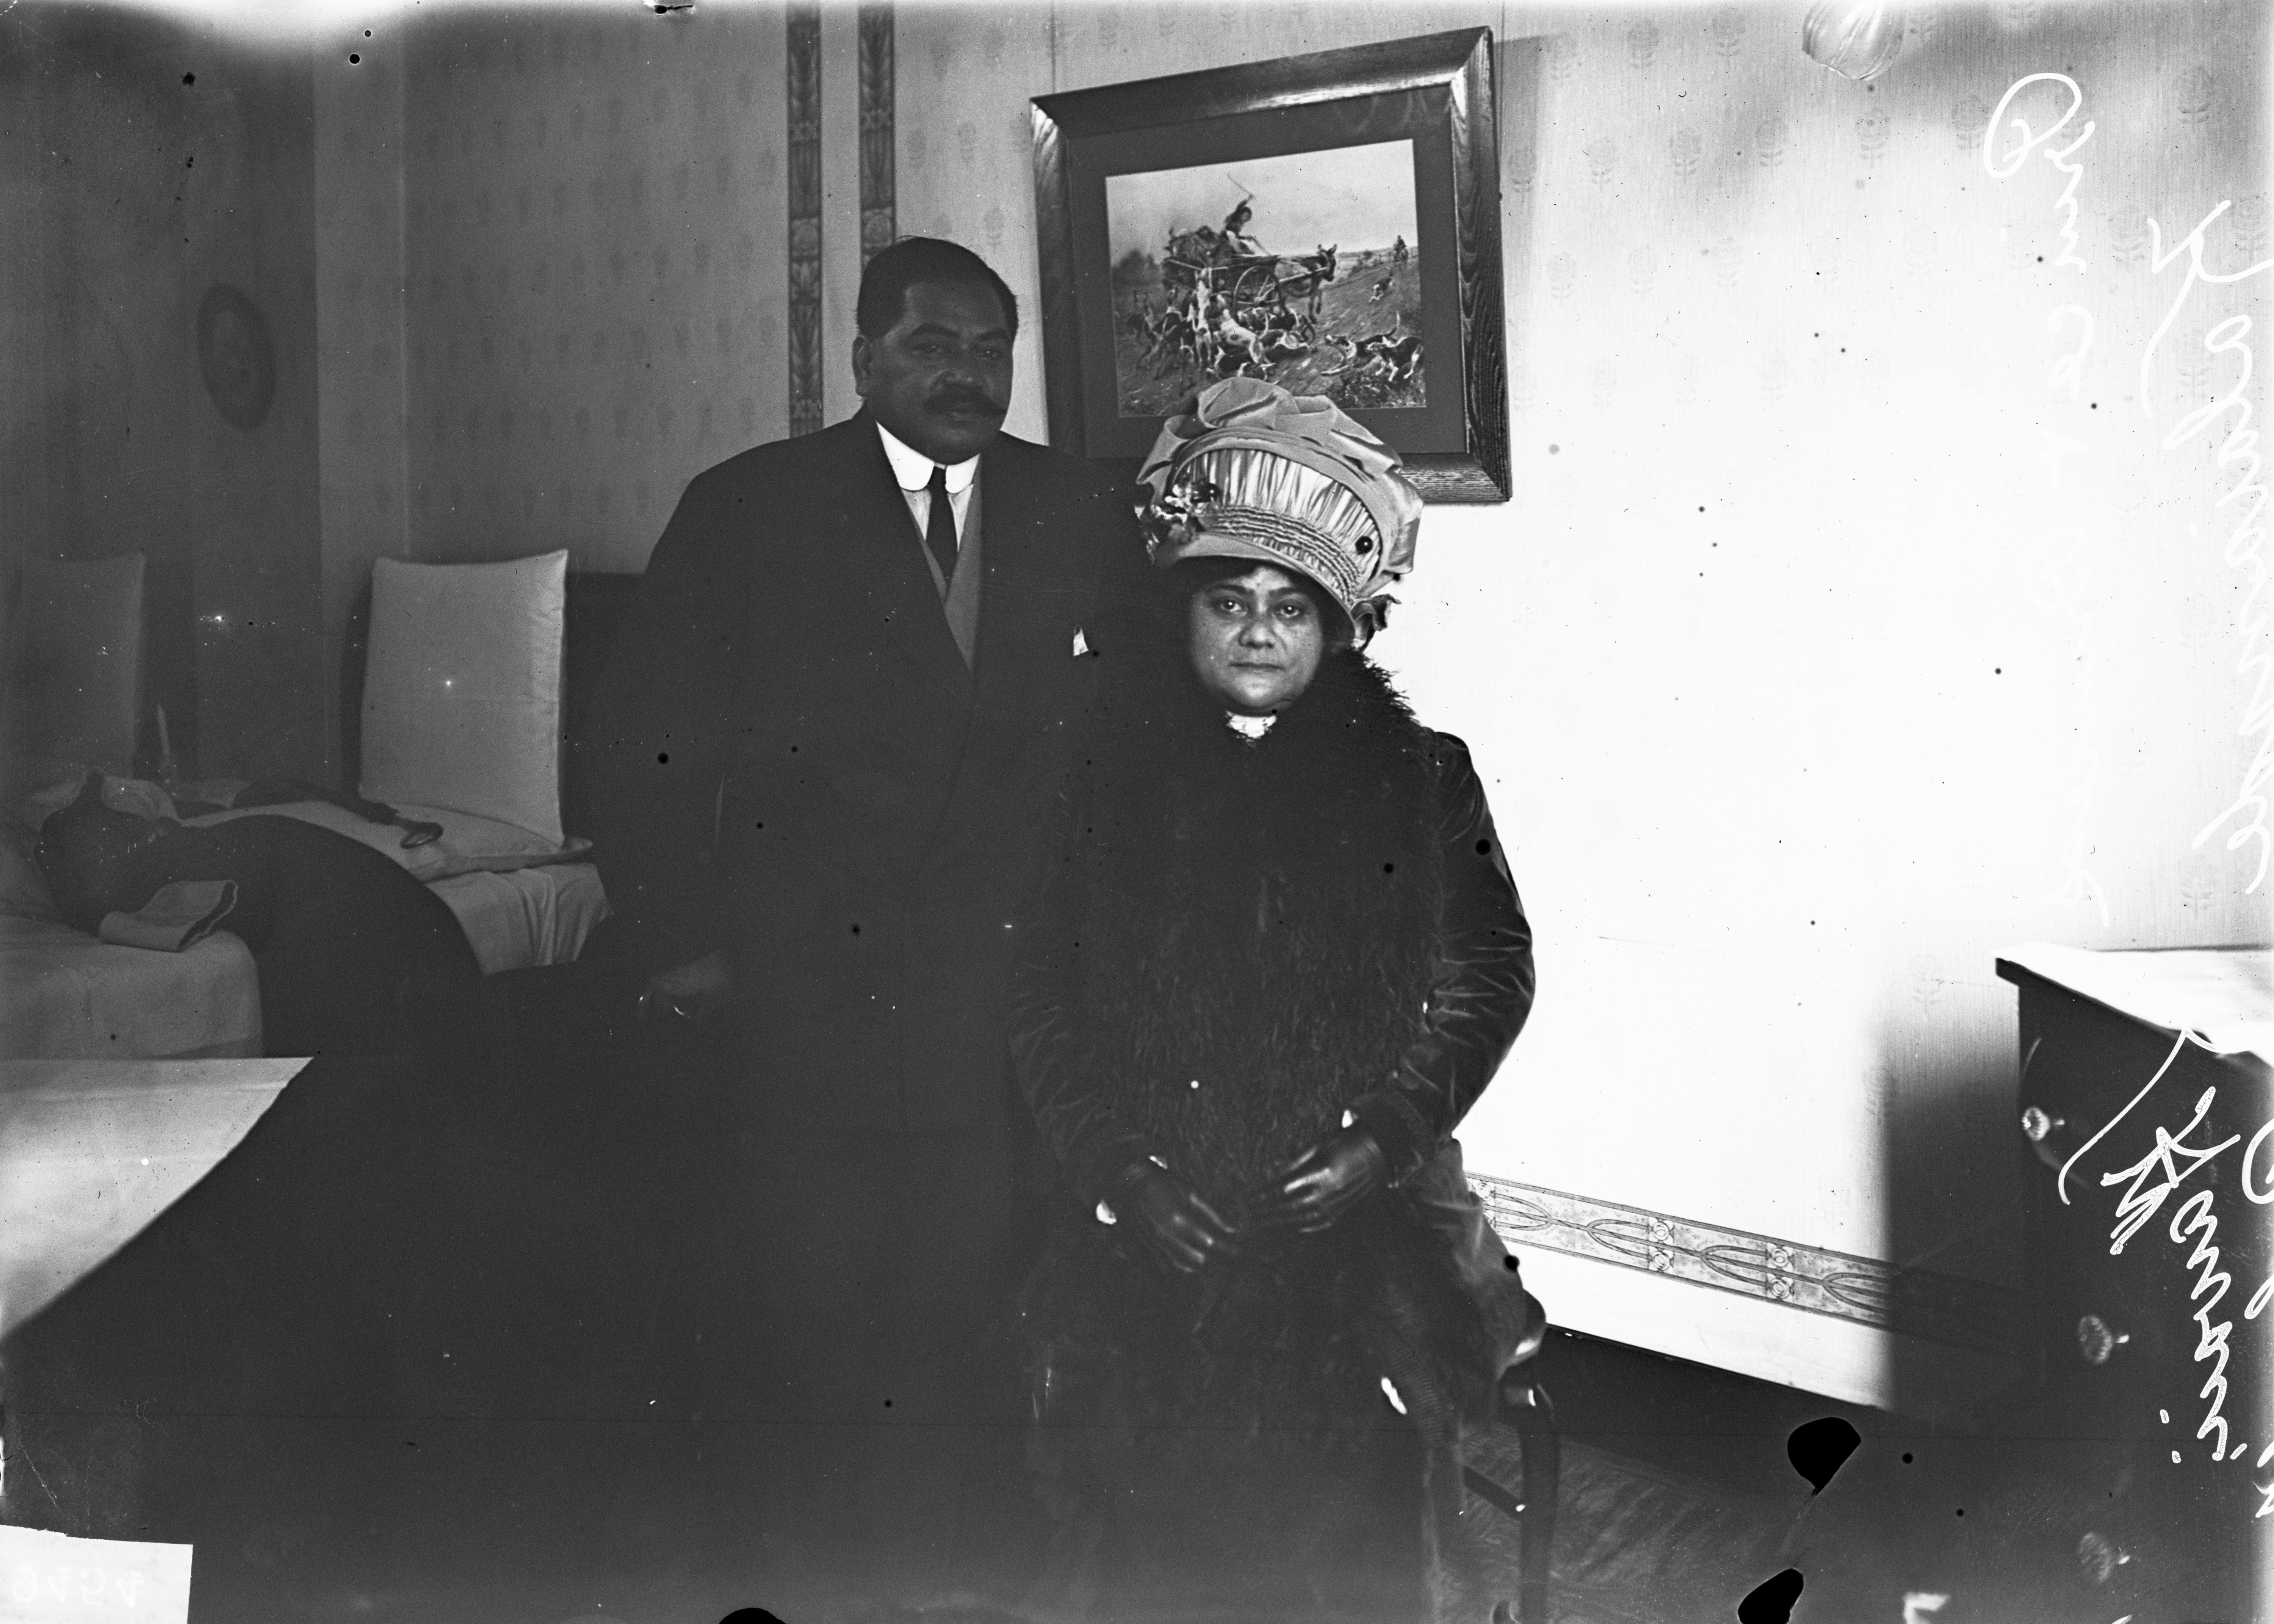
pixel 1230 306
pixel 1252 283
pixel 1213 302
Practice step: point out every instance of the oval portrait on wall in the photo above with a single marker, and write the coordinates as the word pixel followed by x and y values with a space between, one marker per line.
pixel 234 355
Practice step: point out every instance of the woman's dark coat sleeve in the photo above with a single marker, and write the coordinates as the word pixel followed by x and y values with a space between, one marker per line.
pixel 1075 1117
pixel 1483 987
pixel 663 722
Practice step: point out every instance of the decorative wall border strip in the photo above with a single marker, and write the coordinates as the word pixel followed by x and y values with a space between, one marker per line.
pixel 1943 1308
pixel 877 226
pixel 801 74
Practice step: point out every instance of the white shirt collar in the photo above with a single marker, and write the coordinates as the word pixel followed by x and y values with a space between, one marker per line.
pixel 1251 728
pixel 912 469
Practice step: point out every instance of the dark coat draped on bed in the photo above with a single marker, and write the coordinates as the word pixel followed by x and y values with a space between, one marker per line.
pixel 1244 946
pixel 355 957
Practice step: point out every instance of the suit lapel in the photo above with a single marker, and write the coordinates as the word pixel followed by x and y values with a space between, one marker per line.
pixel 1025 633
pixel 881 541
pixel 1010 512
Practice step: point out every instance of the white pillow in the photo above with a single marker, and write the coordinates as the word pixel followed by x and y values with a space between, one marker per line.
pixel 461 688
pixel 468 844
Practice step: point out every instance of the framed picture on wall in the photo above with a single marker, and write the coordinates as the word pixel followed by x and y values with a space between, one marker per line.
pixel 1330 222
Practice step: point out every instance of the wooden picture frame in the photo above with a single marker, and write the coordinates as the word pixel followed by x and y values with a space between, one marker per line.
pixel 1138 276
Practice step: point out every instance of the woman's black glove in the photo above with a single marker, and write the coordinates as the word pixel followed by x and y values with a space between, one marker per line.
pixel 1316 1190
pixel 1182 1229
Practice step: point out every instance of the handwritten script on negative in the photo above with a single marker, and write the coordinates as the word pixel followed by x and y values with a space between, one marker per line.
pixel 2168 1161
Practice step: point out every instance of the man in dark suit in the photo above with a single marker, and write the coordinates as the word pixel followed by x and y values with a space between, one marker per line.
pixel 835 722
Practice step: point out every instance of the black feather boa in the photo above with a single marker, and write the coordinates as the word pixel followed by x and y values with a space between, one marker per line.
pixel 1258 936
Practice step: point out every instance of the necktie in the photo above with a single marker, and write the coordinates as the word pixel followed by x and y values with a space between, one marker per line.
pixel 939 527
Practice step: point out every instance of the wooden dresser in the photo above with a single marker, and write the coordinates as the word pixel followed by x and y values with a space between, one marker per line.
pixel 2150 1273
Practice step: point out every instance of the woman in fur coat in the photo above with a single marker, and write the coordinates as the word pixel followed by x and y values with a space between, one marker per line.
pixel 1278 960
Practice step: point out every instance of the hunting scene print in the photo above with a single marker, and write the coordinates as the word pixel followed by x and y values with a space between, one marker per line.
pixel 1303 270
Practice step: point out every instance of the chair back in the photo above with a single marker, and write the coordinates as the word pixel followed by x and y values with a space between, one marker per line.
pixel 461 688
pixel 597 604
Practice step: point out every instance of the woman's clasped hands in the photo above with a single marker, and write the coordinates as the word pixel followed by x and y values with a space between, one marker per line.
pixel 1307 1196
pixel 1314 1191
pixel 1175 1221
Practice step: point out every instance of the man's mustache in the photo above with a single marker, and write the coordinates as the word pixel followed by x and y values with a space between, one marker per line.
pixel 962 400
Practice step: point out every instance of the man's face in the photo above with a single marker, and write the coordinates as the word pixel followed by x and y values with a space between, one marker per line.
pixel 940 378
pixel 1256 640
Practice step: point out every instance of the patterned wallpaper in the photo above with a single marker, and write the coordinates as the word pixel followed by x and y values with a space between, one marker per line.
pixel 1831 642
pixel 592 270
pixel 24 495
pixel 966 167
pixel 162 159
pixel 359 138
pixel 1803 682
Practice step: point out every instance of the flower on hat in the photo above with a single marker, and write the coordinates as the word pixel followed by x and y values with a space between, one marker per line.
pixel 1249 470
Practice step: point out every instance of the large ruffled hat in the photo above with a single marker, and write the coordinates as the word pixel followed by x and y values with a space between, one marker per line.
pixel 1248 470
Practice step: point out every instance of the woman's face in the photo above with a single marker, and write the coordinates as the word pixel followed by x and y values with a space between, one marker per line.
pixel 1256 640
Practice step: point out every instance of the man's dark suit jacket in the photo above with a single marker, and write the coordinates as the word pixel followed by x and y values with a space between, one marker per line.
pixel 882 804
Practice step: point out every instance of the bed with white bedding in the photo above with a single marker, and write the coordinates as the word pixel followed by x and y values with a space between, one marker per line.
pixel 497 736
pixel 523 901
pixel 66 994
pixel 529 918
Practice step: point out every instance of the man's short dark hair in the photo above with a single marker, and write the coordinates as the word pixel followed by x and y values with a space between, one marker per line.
pixel 884 284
